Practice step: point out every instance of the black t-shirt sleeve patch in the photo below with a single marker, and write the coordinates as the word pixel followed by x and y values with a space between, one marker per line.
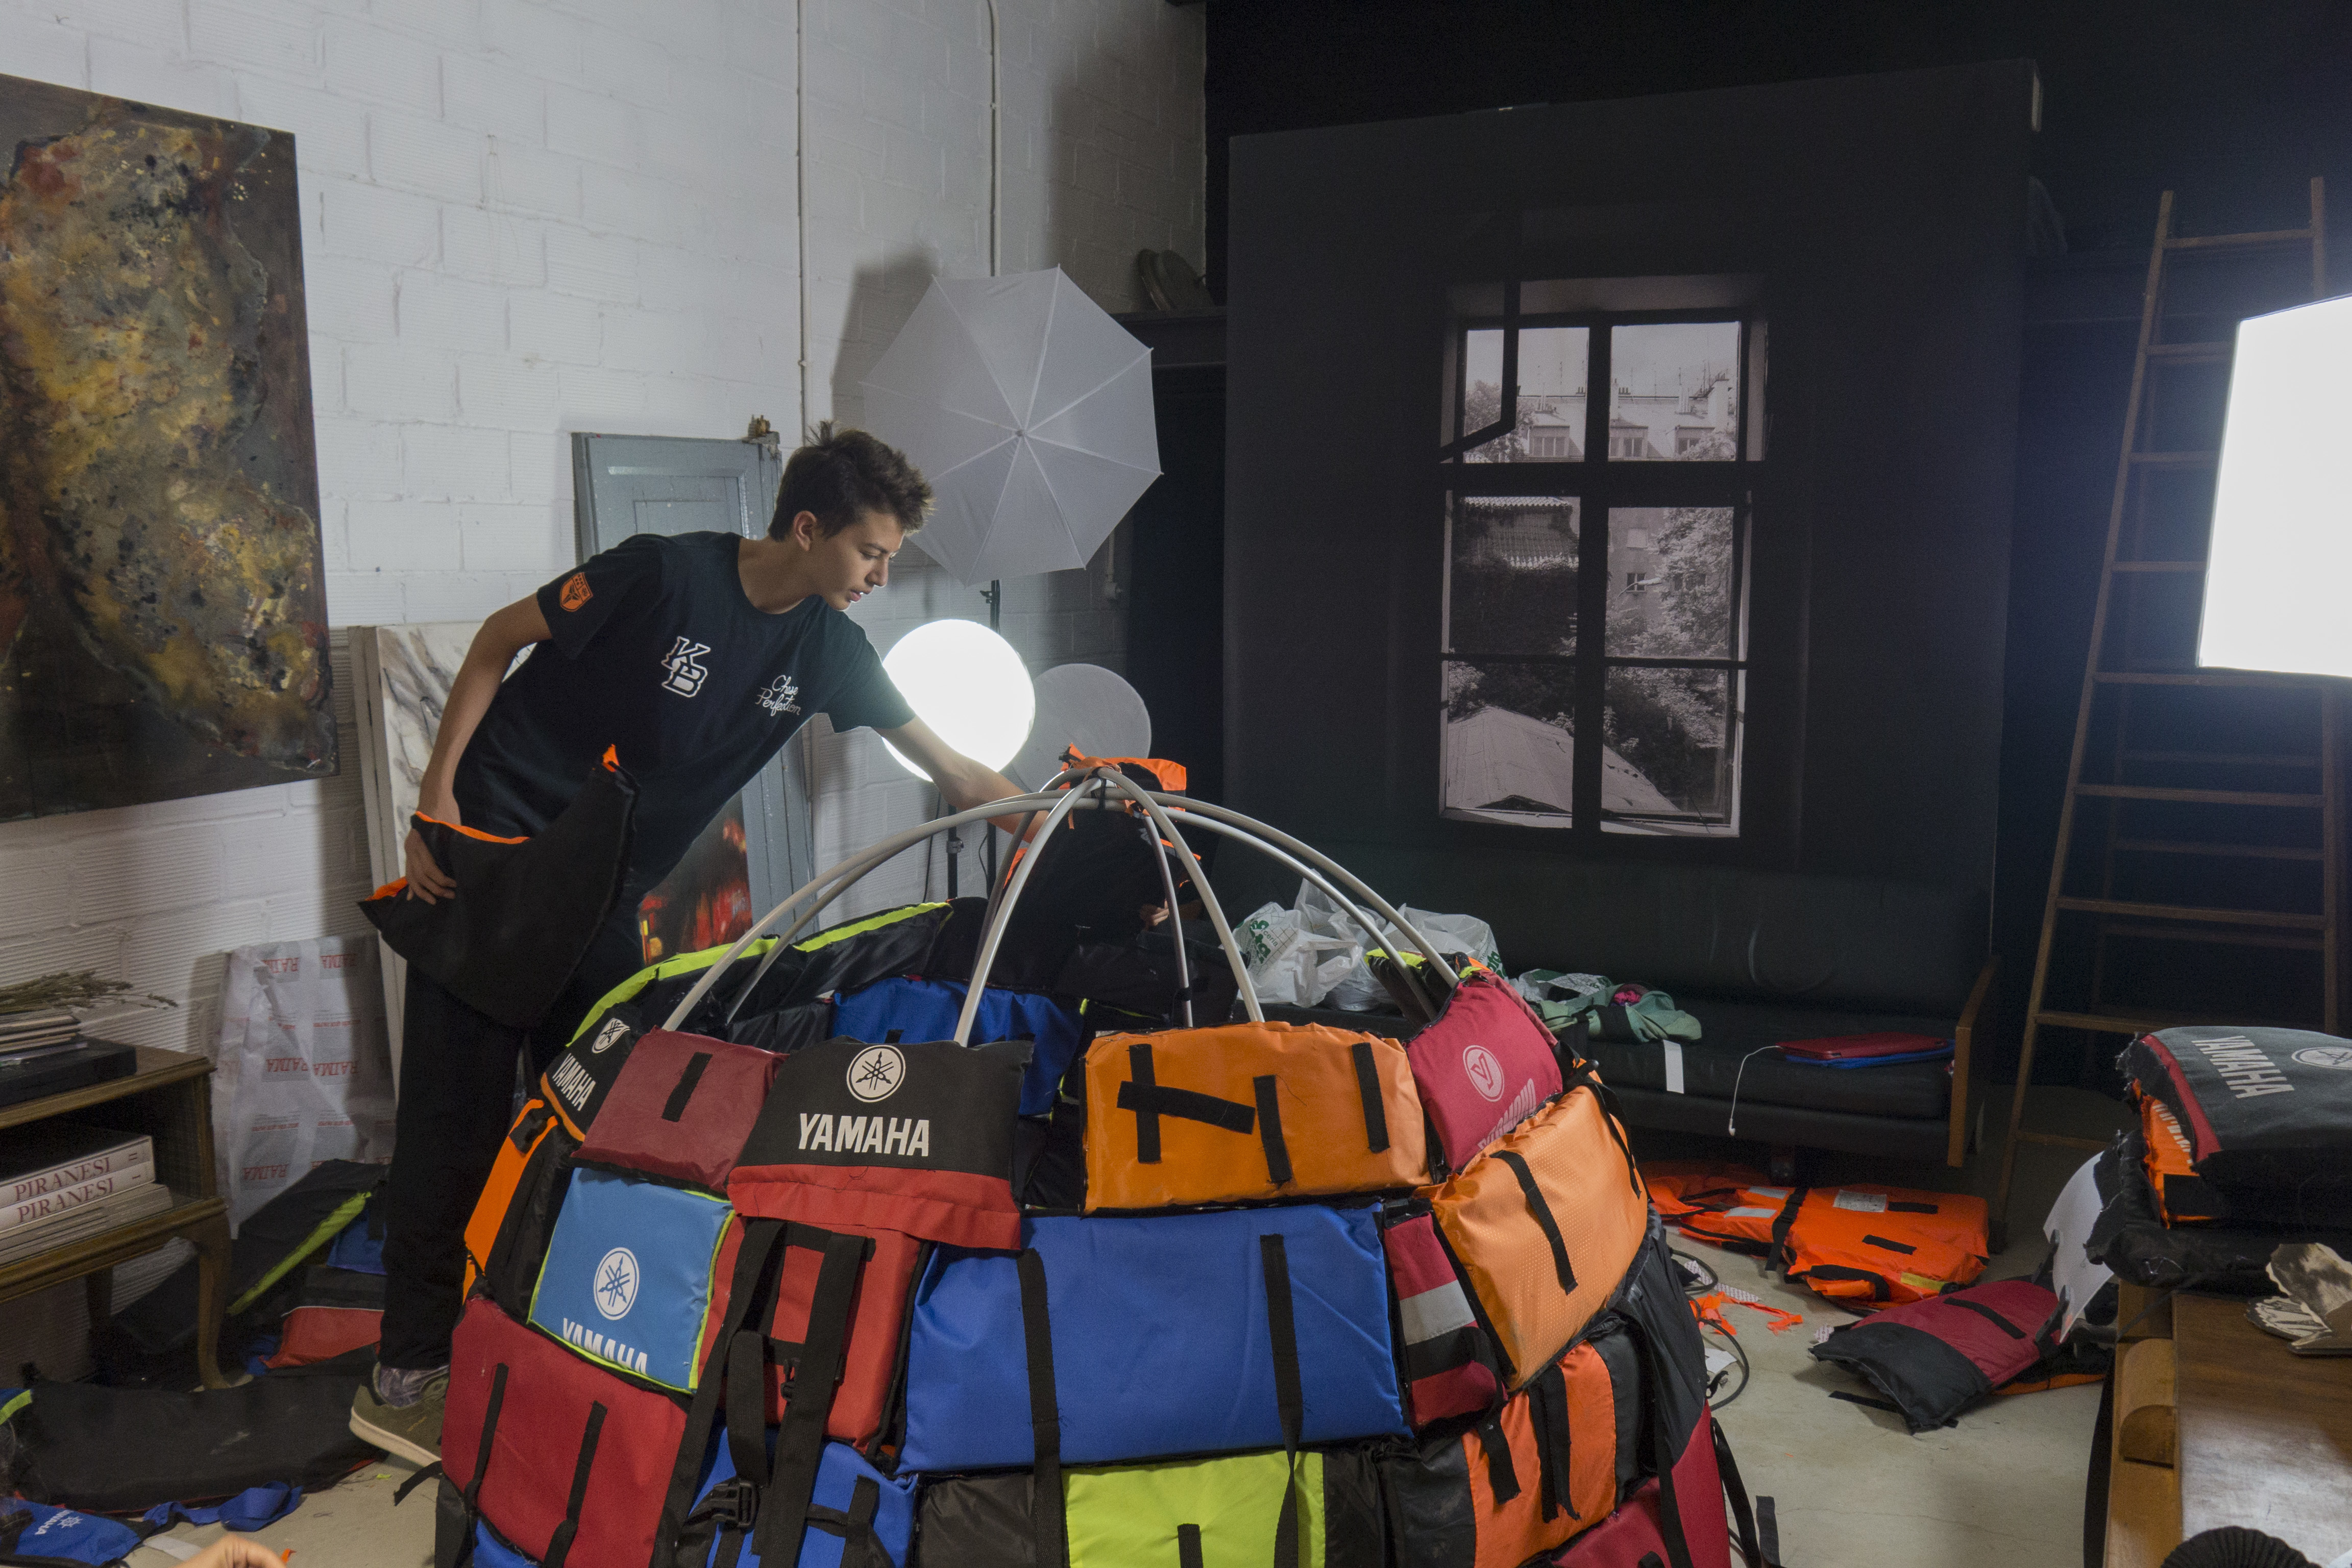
pixel 578 605
pixel 866 698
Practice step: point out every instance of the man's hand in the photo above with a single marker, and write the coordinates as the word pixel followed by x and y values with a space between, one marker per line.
pixel 962 783
pixel 426 880
pixel 235 1551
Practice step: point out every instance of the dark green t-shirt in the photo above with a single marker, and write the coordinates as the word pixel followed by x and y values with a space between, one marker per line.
pixel 657 652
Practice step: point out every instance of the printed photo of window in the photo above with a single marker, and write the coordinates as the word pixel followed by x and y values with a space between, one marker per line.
pixel 1612 603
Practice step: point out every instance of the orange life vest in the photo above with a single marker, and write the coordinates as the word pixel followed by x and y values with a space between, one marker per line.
pixel 2182 1196
pixel 1862 1243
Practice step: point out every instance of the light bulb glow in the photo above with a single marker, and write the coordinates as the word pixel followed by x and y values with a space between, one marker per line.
pixel 968 684
pixel 2281 555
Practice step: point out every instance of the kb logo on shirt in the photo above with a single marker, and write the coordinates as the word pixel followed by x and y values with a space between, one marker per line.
pixel 684 664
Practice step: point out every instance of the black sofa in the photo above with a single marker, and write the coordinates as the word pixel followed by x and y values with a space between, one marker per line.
pixel 1756 956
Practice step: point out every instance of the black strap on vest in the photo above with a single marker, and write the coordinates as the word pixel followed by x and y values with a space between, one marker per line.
pixel 1046 1518
pixel 1143 1095
pixel 1661 1446
pixel 692 1075
pixel 860 1548
pixel 558 1545
pixel 757 1256
pixel 1867 1403
pixel 800 1438
pixel 490 1432
pixel 1541 1211
pixel 1735 1492
pixel 1548 1414
pixel 528 1125
pixel 1880 1290
pixel 1502 1474
pixel 1782 1255
pixel 1902 1247
pixel 1269 1130
pixel 1989 1315
pixel 1188 1546
pixel 1368 1088
pixel 1289 1396
pixel 1896 1206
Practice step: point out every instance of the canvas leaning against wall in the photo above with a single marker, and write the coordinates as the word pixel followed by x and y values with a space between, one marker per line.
pixel 162 608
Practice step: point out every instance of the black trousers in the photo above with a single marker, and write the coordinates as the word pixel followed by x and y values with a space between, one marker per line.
pixel 457 1100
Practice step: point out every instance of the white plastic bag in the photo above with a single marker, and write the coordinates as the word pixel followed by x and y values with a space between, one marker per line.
pixel 1289 962
pixel 1359 990
pixel 301 1072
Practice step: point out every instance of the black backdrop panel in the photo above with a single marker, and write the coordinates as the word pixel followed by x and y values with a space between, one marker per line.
pixel 1886 216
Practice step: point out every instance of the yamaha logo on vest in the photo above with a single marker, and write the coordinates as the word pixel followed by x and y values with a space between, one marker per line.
pixel 1485 1072
pixel 875 1072
pixel 609 1035
pixel 617 1283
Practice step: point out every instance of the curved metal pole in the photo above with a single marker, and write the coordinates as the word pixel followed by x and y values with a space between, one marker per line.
pixel 1153 803
pixel 1339 873
pixel 859 866
pixel 1331 892
pixel 882 851
pixel 985 959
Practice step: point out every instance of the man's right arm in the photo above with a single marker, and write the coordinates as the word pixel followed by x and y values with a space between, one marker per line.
pixel 501 636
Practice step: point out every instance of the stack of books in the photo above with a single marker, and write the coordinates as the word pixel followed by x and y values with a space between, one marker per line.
pixel 36 1029
pixel 63 1181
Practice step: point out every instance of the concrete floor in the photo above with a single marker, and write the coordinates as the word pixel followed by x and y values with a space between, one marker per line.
pixel 1852 1489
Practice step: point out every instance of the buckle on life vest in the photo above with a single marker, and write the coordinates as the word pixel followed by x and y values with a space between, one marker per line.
pixel 741 1507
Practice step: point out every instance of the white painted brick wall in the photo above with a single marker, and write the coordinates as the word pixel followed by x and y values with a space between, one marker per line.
pixel 527 217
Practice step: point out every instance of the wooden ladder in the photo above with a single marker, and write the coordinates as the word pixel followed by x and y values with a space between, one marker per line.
pixel 2276 789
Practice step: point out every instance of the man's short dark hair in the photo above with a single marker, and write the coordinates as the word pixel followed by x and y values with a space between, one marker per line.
pixel 842 475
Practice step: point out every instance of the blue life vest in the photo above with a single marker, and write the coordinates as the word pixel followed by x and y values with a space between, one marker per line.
pixel 36 1530
pixel 852 1499
pixel 627 1277
pixel 1163 1339
pixel 927 1010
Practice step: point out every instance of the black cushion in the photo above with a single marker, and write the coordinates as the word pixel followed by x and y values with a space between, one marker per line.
pixel 1732 1030
pixel 1710 930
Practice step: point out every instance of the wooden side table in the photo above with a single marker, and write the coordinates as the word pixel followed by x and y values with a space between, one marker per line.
pixel 169 1098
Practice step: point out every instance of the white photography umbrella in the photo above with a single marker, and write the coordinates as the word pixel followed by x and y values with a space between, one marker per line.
pixel 1029 410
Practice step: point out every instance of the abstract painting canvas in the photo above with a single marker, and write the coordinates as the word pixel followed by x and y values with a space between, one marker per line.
pixel 162 611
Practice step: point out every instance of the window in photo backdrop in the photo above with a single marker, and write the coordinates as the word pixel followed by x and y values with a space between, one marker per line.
pixel 1612 600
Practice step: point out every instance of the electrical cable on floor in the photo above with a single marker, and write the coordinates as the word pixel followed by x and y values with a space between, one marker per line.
pixel 1738 1354
pixel 1699 1279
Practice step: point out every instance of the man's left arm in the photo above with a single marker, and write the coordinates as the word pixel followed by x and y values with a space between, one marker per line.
pixel 962 783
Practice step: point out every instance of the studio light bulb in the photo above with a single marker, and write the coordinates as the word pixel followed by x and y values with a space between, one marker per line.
pixel 2281 558
pixel 969 686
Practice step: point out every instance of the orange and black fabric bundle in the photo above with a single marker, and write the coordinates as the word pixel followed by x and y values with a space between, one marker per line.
pixel 526 909
pixel 1863 1243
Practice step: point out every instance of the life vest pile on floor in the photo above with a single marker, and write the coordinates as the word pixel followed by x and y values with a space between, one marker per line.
pixel 1244 1293
pixel 1864 1244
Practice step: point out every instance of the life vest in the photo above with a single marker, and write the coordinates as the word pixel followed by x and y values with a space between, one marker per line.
pixel 1485 1065
pixel 1543 1224
pixel 1242 1112
pixel 528 907
pixel 1445 1358
pixel 1136 1337
pixel 857 1517
pixel 680 1108
pixel 1936 1357
pixel 2182 1196
pixel 910 1008
pixel 554 1451
pixel 506 1239
pixel 915 1137
pixel 2267 1113
pixel 1863 1243
pixel 629 1274
pixel 1225 1513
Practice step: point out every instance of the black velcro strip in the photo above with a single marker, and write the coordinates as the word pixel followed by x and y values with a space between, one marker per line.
pixel 1046 1523
pixel 1137 1095
pixel 1269 1130
pixel 1282 1328
pixel 490 1432
pixel 1987 1314
pixel 1902 1247
pixel 685 1082
pixel 1502 1476
pixel 558 1545
pixel 1541 1211
pixel 1368 1088
pixel 1188 1546
pixel 1155 1100
pixel 1893 1206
